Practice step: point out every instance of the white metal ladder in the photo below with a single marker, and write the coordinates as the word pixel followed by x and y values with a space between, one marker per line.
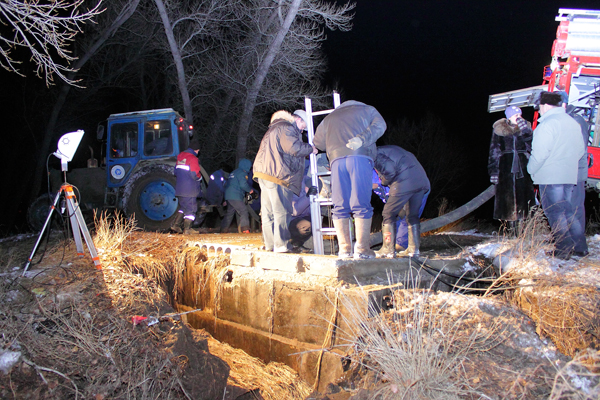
pixel 316 201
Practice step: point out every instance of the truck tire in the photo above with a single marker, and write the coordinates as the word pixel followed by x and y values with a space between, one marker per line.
pixel 38 212
pixel 152 200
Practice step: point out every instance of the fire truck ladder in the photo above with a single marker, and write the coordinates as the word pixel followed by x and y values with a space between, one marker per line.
pixel 316 201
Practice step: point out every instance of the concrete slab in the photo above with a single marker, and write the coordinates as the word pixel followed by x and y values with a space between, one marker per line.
pixel 286 262
pixel 285 307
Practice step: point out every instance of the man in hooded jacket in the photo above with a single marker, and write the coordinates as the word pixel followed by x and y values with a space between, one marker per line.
pixel 401 171
pixel 348 135
pixel 236 188
pixel 278 169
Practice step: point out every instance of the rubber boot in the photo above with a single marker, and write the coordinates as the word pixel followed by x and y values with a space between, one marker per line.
pixel 388 249
pixel 342 231
pixel 362 248
pixel 187 227
pixel 176 225
pixel 414 241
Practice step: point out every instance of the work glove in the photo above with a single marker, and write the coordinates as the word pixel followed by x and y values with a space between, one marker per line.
pixel 355 143
pixel 494 179
pixel 521 123
pixel 312 191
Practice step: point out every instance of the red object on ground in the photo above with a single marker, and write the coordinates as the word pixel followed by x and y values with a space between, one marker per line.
pixel 137 319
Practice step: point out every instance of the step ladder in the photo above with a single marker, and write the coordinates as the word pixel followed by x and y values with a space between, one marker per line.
pixel 316 201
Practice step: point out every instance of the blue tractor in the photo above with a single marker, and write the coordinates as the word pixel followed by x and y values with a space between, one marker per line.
pixel 137 178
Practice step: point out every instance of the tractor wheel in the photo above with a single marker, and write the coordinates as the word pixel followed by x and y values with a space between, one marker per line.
pixel 153 200
pixel 38 212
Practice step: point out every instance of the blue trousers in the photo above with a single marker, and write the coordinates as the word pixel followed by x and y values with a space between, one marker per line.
pixel 351 187
pixel 275 214
pixel 402 225
pixel 578 205
pixel 188 207
pixel 566 229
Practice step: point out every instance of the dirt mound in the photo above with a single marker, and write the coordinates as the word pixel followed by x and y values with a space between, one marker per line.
pixel 71 326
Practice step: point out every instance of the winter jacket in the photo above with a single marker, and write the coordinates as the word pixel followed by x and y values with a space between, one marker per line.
pixel 280 158
pixel 215 189
pixel 237 185
pixel 351 119
pixel 582 172
pixel 510 149
pixel 400 170
pixel 187 172
pixel 556 149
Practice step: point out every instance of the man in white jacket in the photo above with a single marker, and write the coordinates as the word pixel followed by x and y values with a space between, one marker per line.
pixel 555 152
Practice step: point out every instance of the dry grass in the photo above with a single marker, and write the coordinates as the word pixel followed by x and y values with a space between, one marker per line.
pixel 566 312
pixel 163 259
pixel 579 378
pixel 275 380
pixel 416 350
pixel 73 346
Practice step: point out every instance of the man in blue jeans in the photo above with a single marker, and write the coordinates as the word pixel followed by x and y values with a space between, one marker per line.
pixel 556 150
pixel 348 135
pixel 578 196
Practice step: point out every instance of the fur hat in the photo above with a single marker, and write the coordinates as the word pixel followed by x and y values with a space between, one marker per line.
pixel 512 110
pixel 550 98
pixel 302 114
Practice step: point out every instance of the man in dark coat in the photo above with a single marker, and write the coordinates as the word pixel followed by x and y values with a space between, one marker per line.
pixel 278 169
pixel 235 192
pixel 348 135
pixel 187 188
pixel 510 149
pixel 401 171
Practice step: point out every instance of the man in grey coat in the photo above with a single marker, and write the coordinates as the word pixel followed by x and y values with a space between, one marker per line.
pixel 278 169
pixel 556 150
pixel 348 135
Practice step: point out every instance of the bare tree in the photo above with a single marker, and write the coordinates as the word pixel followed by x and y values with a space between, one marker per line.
pixel 186 24
pixel 303 18
pixel 46 29
pixel 113 21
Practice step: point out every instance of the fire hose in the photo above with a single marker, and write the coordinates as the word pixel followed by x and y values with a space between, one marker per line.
pixel 443 220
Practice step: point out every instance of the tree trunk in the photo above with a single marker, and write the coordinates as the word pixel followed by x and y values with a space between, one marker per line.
pixel 64 92
pixel 261 73
pixel 175 51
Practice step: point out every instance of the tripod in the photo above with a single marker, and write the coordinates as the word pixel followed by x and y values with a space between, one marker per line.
pixel 77 224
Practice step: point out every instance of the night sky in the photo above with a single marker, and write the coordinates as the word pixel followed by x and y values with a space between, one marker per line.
pixel 445 57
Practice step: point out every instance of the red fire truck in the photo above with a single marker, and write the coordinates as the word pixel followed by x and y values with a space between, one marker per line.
pixel 575 69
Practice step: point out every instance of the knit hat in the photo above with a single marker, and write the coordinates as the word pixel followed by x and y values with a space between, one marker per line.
pixel 550 98
pixel 302 114
pixel 195 144
pixel 512 110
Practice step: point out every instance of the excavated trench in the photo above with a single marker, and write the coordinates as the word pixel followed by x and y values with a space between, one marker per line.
pixel 286 307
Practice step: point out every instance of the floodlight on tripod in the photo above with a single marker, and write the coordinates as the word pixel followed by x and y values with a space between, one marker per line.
pixel 67 146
